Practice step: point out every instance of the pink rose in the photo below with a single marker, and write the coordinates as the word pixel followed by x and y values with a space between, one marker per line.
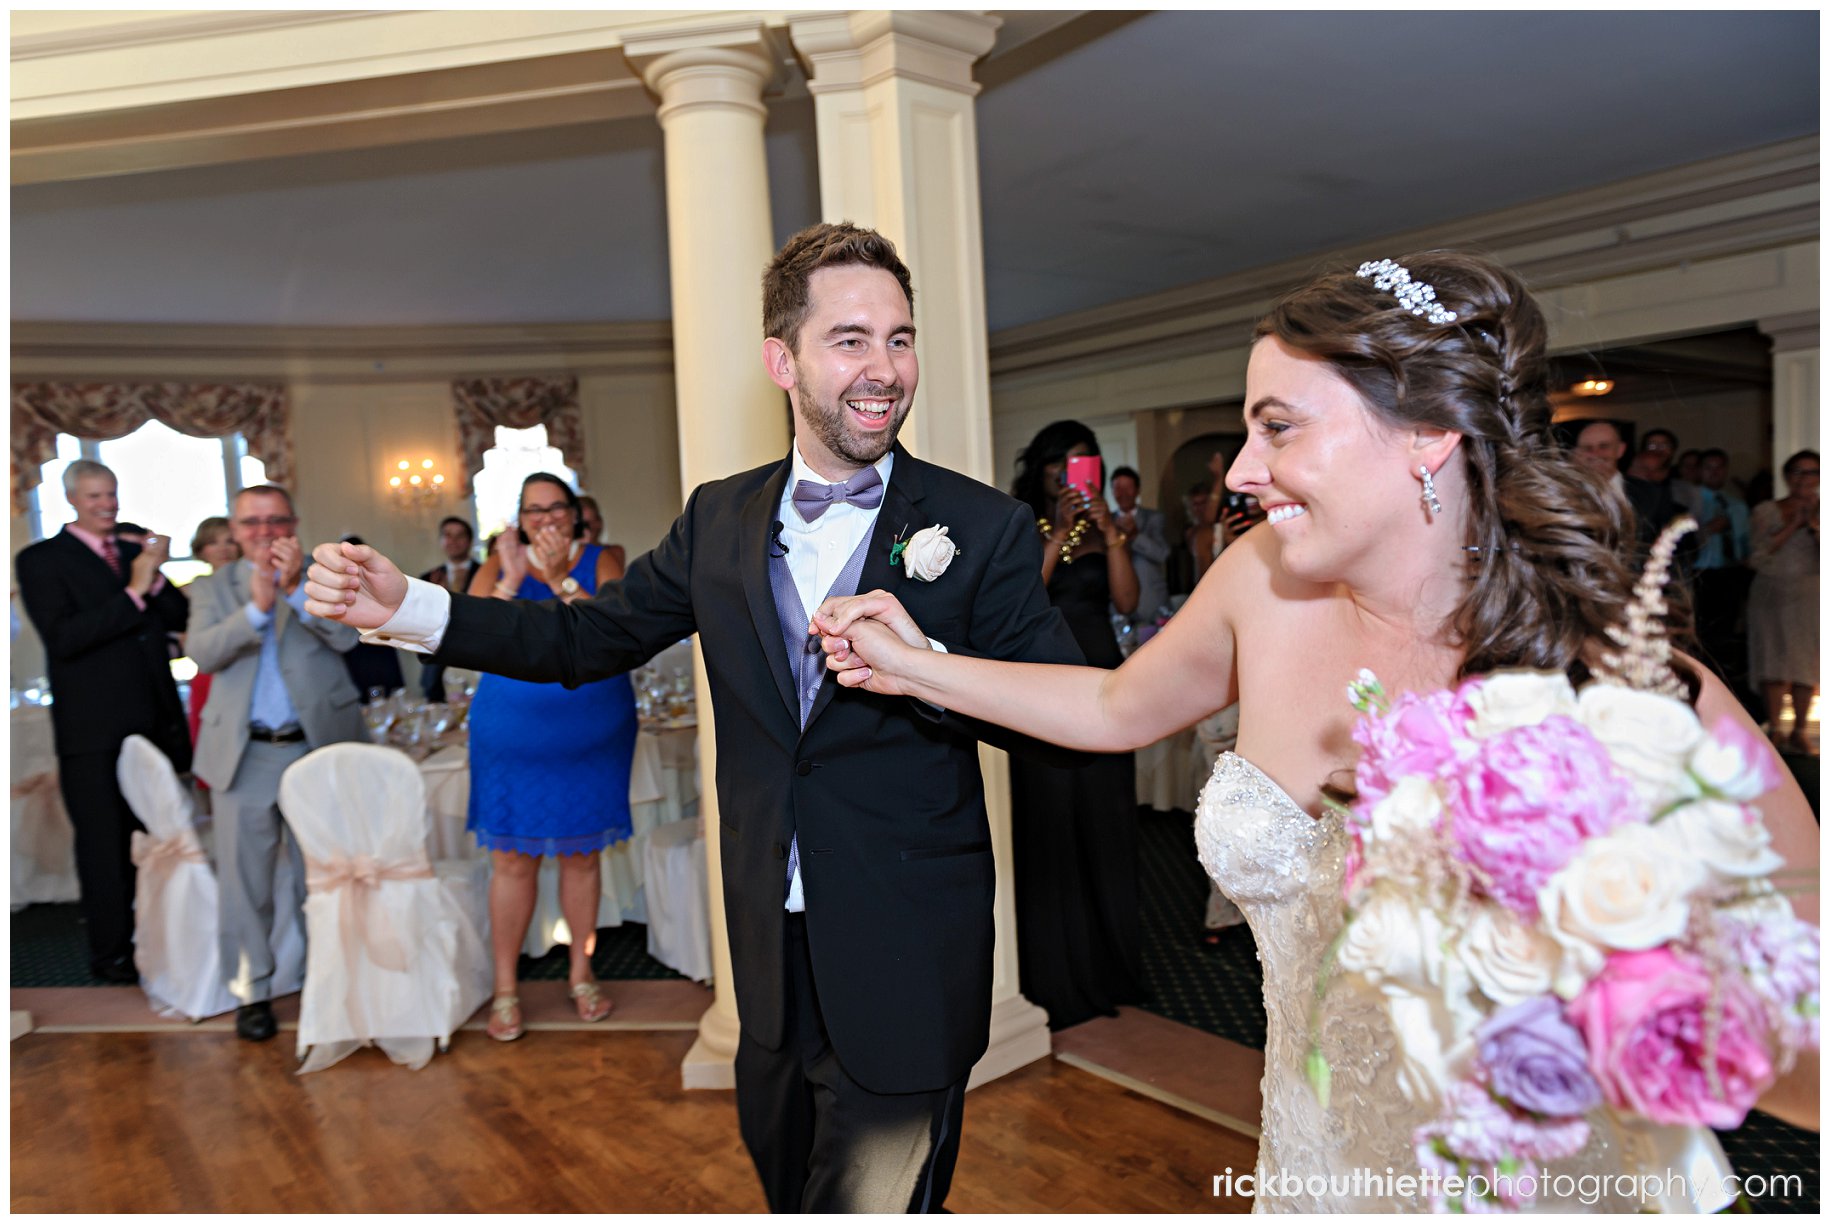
pixel 1529 797
pixel 1646 1019
pixel 1420 736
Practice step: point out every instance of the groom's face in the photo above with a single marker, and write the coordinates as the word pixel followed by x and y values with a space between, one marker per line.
pixel 852 373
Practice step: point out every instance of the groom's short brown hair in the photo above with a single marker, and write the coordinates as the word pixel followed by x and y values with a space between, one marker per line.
pixel 825 245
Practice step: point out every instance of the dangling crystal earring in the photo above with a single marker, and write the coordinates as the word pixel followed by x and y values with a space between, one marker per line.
pixel 1429 490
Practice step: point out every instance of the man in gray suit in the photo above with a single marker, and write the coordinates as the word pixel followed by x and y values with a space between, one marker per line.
pixel 281 689
pixel 1149 546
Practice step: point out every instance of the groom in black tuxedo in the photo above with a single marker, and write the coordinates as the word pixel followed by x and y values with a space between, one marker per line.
pixel 858 872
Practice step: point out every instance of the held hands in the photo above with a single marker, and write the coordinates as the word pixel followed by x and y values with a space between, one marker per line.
pixel 354 584
pixel 155 550
pixel 869 640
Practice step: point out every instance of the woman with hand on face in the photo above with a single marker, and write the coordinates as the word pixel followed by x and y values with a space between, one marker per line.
pixel 549 767
pixel 1074 831
pixel 1782 604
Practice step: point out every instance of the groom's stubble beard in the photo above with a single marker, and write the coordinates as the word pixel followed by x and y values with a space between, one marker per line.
pixel 828 420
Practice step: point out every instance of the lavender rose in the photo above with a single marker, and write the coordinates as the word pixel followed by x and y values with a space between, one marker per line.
pixel 1537 1060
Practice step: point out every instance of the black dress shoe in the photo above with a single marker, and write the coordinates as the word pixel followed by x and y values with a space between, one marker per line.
pixel 115 970
pixel 254 1022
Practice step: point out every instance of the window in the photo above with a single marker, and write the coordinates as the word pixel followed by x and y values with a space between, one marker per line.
pixel 169 483
pixel 517 454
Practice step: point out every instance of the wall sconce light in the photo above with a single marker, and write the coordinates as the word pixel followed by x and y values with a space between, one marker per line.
pixel 1592 387
pixel 411 485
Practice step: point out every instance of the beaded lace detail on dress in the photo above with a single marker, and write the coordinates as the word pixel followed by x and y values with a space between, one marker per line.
pixel 1283 869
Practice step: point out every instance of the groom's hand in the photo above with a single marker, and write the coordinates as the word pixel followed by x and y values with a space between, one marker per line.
pixel 841 612
pixel 354 584
pixel 873 658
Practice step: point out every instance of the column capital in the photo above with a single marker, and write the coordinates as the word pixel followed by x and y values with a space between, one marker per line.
pixel 724 64
pixel 1791 332
pixel 850 50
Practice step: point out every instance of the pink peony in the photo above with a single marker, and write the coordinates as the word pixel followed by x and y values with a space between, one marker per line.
pixel 1476 1134
pixel 1528 798
pixel 1647 1020
pixel 1779 956
pixel 1419 735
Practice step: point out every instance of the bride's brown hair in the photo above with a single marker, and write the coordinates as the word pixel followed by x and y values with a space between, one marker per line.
pixel 1547 578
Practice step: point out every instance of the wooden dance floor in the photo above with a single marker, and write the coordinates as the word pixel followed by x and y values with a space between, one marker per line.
pixel 175 1118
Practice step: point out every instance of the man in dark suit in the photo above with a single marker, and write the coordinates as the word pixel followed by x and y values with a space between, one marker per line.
pixel 457 541
pixel 103 609
pixel 856 853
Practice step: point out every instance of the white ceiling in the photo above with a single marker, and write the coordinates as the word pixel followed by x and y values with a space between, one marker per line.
pixel 1177 147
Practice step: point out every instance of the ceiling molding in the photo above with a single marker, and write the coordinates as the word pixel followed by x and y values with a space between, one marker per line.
pixel 1755 200
pixel 335 354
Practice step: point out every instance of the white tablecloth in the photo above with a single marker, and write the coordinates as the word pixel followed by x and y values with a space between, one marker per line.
pixel 44 853
pixel 663 790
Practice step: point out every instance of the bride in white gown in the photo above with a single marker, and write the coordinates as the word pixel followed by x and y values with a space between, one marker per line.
pixel 1423 524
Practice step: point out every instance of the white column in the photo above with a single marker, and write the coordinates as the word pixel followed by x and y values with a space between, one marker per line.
pixel 1795 402
pixel 710 82
pixel 898 143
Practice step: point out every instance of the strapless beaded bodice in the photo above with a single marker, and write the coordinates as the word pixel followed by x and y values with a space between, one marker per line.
pixel 1283 869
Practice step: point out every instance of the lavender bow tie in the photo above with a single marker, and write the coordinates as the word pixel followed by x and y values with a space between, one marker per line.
pixel 812 499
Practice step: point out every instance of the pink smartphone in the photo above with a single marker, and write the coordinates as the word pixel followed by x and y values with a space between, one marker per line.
pixel 1083 472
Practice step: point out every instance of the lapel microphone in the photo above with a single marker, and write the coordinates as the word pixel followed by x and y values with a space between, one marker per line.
pixel 776 541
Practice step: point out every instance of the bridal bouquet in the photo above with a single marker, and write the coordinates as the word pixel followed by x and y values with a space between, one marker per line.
pixel 1566 899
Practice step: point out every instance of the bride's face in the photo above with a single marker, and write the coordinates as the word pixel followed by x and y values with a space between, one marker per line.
pixel 1337 484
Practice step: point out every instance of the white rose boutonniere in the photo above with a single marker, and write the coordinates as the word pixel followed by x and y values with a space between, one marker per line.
pixel 926 554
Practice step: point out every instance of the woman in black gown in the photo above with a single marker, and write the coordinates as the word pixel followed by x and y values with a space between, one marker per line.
pixel 1074 831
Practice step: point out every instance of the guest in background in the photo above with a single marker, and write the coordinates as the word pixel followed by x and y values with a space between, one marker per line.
pixel 102 610
pixel 549 766
pixel 594 529
pixel 1149 547
pixel 1783 610
pixel 1600 448
pixel 1074 830
pixel 374 670
pixel 1206 498
pixel 212 542
pixel 281 690
pixel 1722 575
pixel 456 539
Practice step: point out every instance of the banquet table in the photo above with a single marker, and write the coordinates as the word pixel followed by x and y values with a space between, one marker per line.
pixel 663 791
pixel 44 848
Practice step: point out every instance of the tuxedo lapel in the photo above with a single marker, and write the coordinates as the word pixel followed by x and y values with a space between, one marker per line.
pixel 754 524
pixel 900 515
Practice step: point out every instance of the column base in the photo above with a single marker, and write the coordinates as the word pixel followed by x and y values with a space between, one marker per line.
pixel 22 1024
pixel 1019 1036
pixel 712 1062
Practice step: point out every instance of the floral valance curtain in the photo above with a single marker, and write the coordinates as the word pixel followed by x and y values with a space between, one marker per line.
pixel 518 403
pixel 103 411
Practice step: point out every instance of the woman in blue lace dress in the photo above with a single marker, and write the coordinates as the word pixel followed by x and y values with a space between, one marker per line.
pixel 549 766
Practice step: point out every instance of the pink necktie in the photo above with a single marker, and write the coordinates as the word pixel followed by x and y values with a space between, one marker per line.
pixel 111 554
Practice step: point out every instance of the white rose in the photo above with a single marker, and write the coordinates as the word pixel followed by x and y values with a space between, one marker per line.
pixel 1508 960
pixel 1730 841
pixel 1649 737
pixel 1725 767
pixel 1413 806
pixel 1511 699
pixel 928 554
pixel 1391 939
pixel 1629 890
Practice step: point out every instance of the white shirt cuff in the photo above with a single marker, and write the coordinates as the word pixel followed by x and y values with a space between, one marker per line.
pixel 938 648
pixel 419 624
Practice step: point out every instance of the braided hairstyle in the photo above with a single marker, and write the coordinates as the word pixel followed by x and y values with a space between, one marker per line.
pixel 1547 577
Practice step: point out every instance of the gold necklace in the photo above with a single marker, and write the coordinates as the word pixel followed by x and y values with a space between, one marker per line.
pixel 1076 534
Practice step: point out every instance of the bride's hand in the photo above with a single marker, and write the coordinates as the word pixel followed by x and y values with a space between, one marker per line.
pixel 838 614
pixel 872 657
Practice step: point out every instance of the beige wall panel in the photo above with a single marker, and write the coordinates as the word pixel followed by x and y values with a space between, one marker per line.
pixel 633 443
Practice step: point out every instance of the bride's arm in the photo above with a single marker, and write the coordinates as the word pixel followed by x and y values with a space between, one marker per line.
pixel 1180 676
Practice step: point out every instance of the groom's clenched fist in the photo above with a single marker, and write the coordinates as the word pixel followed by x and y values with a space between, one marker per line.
pixel 354 584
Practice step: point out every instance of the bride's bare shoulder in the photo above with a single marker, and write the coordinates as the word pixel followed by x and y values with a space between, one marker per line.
pixel 1250 574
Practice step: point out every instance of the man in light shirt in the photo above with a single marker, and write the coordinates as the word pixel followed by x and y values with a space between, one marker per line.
pixel 457 541
pixel 856 854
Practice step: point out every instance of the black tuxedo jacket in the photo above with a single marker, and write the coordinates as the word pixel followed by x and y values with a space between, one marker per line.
pixel 466 575
pixel 106 659
pixel 884 793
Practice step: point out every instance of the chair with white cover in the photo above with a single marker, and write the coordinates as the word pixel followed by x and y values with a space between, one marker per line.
pixel 175 901
pixel 399 955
